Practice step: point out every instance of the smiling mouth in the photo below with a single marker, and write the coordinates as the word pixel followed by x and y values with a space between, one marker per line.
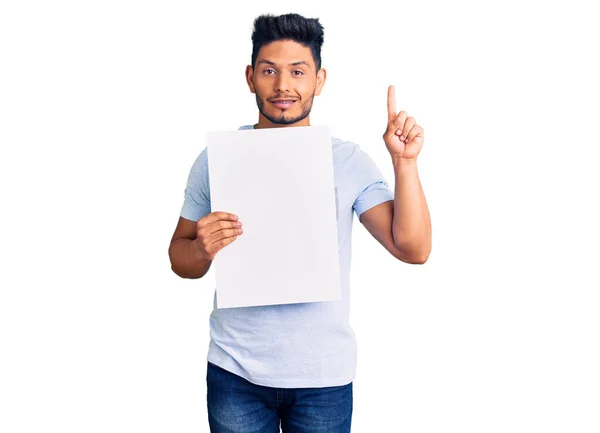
pixel 279 103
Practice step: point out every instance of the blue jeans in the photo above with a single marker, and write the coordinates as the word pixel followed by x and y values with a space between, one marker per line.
pixel 236 405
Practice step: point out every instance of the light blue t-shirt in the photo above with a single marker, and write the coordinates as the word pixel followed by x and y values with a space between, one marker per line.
pixel 303 345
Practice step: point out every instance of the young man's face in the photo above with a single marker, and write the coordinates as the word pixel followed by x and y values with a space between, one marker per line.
pixel 284 70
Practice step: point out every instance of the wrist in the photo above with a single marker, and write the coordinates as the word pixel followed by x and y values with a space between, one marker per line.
pixel 402 163
pixel 196 251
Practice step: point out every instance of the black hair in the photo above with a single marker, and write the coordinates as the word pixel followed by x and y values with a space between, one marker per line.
pixel 306 31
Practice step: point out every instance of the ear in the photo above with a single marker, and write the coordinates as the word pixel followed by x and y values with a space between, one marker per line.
pixel 249 79
pixel 321 77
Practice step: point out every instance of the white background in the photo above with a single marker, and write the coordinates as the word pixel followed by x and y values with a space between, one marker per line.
pixel 103 109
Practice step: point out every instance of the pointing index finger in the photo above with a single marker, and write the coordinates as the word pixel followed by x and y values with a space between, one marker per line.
pixel 391 103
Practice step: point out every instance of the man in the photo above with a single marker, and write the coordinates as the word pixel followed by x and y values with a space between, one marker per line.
pixel 293 365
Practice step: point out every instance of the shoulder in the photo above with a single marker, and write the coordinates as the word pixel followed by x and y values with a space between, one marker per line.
pixel 343 148
pixel 347 153
pixel 201 161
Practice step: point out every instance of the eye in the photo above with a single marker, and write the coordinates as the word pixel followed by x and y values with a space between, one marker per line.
pixel 266 71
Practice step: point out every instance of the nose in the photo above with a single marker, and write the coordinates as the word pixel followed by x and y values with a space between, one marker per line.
pixel 282 84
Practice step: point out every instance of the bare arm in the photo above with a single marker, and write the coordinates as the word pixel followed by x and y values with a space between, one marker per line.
pixel 195 245
pixel 412 224
pixel 187 260
pixel 402 225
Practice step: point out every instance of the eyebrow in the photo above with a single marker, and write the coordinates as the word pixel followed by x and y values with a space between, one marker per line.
pixel 268 62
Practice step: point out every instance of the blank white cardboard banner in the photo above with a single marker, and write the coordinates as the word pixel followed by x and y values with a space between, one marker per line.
pixel 280 182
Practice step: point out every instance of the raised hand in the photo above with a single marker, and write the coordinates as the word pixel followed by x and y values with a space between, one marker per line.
pixel 403 137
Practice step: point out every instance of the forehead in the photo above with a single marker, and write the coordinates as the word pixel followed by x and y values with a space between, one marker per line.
pixel 285 52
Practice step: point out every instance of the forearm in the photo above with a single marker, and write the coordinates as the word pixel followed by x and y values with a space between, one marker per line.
pixel 411 226
pixel 186 260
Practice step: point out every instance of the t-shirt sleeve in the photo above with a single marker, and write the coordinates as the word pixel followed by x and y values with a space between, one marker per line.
pixel 196 202
pixel 372 186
